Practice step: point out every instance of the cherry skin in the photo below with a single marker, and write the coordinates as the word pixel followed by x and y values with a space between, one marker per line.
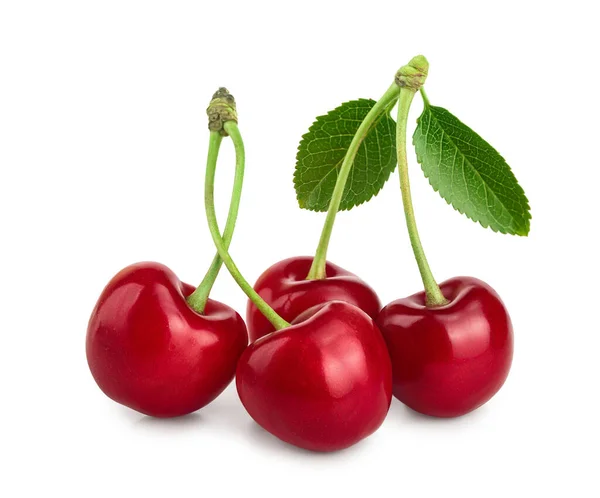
pixel 148 350
pixel 285 288
pixel 323 383
pixel 451 359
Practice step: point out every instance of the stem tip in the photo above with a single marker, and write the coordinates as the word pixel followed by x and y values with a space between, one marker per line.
pixel 414 74
pixel 221 109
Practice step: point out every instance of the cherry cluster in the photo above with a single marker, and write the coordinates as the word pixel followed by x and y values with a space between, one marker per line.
pixel 317 359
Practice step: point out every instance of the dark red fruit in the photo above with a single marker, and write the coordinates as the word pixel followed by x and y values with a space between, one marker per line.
pixel 285 288
pixel 451 359
pixel 323 384
pixel 148 350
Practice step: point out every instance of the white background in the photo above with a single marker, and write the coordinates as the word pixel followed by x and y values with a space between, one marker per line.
pixel 102 144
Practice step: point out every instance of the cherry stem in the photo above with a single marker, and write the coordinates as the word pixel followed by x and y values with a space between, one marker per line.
pixel 198 299
pixel 209 201
pixel 318 267
pixel 409 84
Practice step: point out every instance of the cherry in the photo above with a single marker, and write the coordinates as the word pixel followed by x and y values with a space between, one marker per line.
pixel 451 346
pixel 450 359
pixel 158 345
pixel 323 383
pixel 285 287
pixel 148 350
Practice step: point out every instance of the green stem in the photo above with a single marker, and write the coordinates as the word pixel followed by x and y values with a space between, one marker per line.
pixel 317 269
pixel 434 296
pixel 209 201
pixel 198 299
pixel 424 96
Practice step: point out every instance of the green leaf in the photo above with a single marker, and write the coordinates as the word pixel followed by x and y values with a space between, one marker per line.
pixel 322 150
pixel 469 174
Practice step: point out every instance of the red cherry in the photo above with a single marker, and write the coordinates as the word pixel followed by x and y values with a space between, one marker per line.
pixel 322 384
pixel 148 350
pixel 451 359
pixel 285 288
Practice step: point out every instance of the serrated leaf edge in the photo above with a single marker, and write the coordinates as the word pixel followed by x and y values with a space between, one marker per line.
pixel 318 120
pixel 461 211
